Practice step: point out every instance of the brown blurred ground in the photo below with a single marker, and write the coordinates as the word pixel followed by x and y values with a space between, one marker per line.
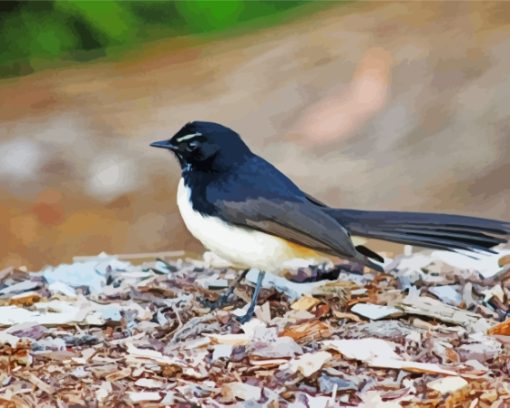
pixel 400 106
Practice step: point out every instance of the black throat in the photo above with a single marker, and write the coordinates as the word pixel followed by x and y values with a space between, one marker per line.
pixel 207 180
pixel 202 185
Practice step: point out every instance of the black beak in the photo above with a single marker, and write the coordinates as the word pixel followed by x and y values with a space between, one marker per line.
pixel 164 144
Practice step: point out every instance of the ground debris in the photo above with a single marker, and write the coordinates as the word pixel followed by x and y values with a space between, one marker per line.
pixel 447 385
pixel 245 392
pixel 375 312
pixel 121 334
pixel 435 309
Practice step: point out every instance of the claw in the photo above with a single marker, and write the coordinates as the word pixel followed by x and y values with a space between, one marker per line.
pixel 246 317
pixel 223 300
pixel 220 303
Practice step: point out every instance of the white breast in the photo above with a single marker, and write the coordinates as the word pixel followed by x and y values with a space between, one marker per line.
pixel 241 246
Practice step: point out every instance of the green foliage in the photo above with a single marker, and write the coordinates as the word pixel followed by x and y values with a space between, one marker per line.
pixel 34 35
pixel 205 16
pixel 112 21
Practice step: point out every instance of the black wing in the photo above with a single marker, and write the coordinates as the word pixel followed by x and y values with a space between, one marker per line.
pixel 284 212
pixel 301 223
pixel 294 221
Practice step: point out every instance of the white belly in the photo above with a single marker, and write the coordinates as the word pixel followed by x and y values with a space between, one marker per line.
pixel 241 246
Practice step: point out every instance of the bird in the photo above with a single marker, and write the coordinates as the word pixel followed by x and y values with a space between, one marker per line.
pixel 245 210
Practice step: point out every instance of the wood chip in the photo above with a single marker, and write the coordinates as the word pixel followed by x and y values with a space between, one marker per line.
pixel 232 339
pixel 307 331
pixel 148 383
pixel 243 391
pixel 310 363
pixel 130 257
pixel 25 299
pixel 144 396
pixel 118 375
pixel 305 303
pixel 502 328
pixel 222 351
pixel 375 312
pixel 433 308
pixel 504 260
pixel 380 353
pixel 48 389
pixel 447 385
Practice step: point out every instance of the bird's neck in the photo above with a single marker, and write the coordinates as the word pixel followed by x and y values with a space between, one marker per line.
pixel 197 181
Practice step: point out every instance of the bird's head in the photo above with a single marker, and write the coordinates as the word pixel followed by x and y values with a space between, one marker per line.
pixel 206 146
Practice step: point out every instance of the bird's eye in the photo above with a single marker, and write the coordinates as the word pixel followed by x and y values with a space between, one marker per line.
pixel 192 146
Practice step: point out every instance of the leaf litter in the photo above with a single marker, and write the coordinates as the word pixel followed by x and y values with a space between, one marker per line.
pixel 432 331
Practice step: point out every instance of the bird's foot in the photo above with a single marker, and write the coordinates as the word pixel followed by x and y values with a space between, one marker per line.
pixel 220 303
pixel 247 316
pixel 224 299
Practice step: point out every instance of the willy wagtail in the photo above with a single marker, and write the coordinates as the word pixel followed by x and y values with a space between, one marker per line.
pixel 245 210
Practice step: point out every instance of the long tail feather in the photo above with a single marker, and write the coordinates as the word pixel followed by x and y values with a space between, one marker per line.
pixel 439 231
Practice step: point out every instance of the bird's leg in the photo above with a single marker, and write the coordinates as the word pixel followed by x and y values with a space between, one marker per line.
pixel 223 299
pixel 253 303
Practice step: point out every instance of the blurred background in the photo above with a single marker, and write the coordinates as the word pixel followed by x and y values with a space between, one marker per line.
pixel 373 105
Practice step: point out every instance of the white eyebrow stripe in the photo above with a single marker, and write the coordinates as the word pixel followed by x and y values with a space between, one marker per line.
pixel 187 137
